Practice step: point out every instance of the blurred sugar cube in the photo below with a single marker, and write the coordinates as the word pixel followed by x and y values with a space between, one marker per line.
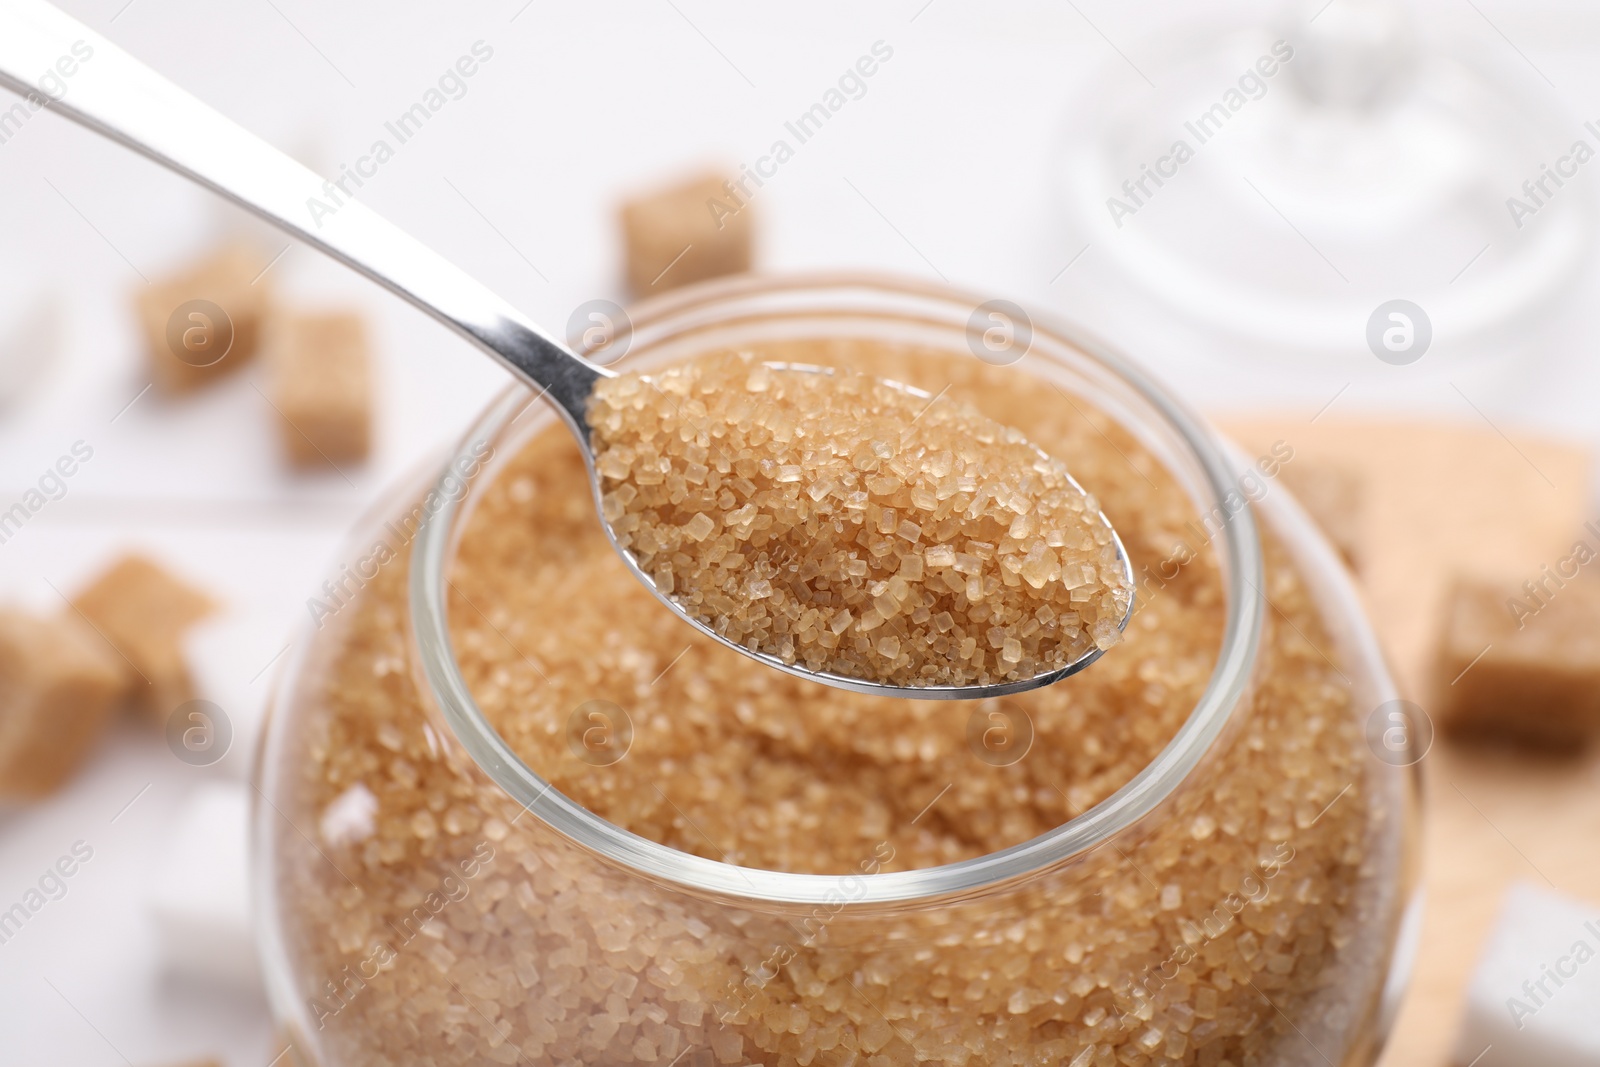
pixel 59 684
pixel 1533 678
pixel 200 895
pixel 206 319
pixel 685 233
pixel 142 610
pixel 322 387
pixel 1535 996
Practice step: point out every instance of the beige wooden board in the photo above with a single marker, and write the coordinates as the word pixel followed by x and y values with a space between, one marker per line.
pixel 1441 499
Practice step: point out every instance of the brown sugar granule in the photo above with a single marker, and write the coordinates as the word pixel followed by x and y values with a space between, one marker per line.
pixel 843 523
pixel 322 387
pixel 1508 669
pixel 58 686
pixel 186 342
pixel 142 611
pixel 1234 927
pixel 685 233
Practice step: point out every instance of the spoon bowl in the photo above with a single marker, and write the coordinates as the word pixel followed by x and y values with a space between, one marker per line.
pixel 863 685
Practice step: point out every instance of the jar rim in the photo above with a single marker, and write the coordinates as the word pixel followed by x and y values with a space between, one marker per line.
pixel 1237 543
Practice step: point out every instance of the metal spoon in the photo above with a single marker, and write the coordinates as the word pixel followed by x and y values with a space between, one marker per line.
pixel 115 95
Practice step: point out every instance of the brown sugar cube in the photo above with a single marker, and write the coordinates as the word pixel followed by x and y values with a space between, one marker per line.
pixel 141 612
pixel 322 387
pixel 1526 672
pixel 58 686
pixel 685 234
pixel 205 321
pixel 1335 498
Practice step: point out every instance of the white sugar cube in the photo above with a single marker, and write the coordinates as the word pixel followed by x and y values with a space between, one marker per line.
pixel 1535 997
pixel 200 896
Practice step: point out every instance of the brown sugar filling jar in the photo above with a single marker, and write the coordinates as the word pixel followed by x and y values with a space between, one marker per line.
pixel 516 812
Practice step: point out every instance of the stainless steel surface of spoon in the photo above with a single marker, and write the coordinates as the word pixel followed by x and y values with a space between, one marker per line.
pixel 115 95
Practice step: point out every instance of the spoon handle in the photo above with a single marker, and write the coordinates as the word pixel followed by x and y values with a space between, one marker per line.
pixel 114 94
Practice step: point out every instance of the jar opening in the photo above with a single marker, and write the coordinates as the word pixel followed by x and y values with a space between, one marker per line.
pixel 745 309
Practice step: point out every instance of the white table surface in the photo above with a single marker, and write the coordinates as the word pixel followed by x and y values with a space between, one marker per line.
pixel 579 104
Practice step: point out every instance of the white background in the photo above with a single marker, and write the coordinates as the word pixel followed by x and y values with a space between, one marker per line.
pixel 943 168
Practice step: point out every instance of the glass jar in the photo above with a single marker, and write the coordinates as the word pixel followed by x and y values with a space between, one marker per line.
pixel 1241 897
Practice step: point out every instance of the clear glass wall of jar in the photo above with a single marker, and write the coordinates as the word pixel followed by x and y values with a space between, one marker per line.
pixel 428 897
